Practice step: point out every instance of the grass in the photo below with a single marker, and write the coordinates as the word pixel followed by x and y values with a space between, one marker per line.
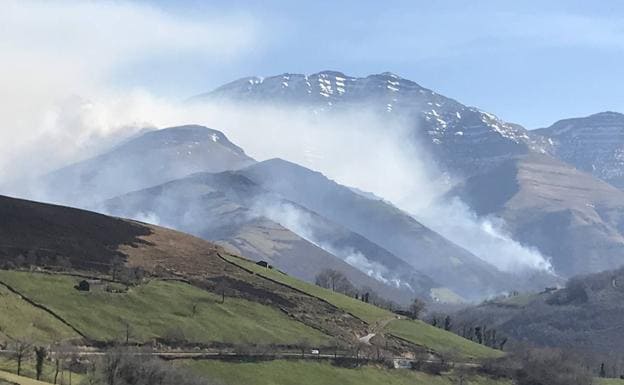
pixel 161 309
pixel 319 373
pixel 517 300
pixel 416 332
pixel 19 320
pixel 364 311
pixel 28 372
pixel 440 341
pixel 164 308
pixel 10 378
pixel 609 381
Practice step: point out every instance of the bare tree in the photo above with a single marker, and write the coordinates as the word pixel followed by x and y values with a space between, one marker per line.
pixel 304 345
pixel 127 329
pixel 122 367
pixel 21 351
pixel 335 281
pixel 222 288
pixel 416 308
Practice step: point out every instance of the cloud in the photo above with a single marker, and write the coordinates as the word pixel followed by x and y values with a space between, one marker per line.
pixel 56 63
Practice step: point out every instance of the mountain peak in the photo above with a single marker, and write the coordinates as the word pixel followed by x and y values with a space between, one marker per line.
pixel 592 143
pixel 607 114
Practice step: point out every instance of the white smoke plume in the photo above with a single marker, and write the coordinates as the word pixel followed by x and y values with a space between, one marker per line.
pixel 59 107
pixel 300 222
pixel 58 100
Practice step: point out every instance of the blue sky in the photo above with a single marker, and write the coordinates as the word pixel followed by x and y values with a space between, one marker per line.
pixel 530 62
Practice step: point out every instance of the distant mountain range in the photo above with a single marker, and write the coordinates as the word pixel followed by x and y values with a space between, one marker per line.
pixel 526 177
pixel 239 214
pixel 462 138
pixel 544 184
pixel 304 224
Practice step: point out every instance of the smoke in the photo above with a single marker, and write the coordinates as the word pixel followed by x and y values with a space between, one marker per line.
pixel 484 237
pixel 374 153
pixel 59 105
pixel 357 148
pixel 303 224
pixel 59 62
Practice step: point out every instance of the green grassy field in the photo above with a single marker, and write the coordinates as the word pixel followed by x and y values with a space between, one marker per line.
pixel 19 319
pixel 8 367
pixel 417 332
pixel 10 378
pixel 161 308
pixel 364 311
pixel 608 381
pixel 440 341
pixel 319 373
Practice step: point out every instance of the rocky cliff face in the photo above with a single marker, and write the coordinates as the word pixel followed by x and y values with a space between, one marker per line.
pixel 594 144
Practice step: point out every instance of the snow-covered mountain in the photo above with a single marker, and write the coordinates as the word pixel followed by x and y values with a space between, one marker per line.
pixel 505 170
pixel 594 144
pixel 463 138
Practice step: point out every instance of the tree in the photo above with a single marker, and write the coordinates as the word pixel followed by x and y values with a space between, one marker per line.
pixel 21 350
pixel 127 331
pixel 479 334
pixel 40 354
pixel 222 288
pixel 121 367
pixel 501 345
pixel 416 308
pixel 304 344
pixel 447 323
pixel 335 281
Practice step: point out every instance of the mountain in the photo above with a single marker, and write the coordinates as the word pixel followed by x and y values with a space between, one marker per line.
pixel 144 161
pixel 461 137
pixel 383 224
pixel 502 169
pixel 594 144
pixel 227 211
pixel 90 281
pixel 569 215
pixel 236 212
pixel 49 237
pixel 585 315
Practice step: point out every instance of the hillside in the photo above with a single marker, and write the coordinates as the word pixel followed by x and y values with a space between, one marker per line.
pixel 568 215
pixel 237 212
pixel 584 316
pixel 144 161
pixel 175 289
pixel 496 163
pixel 384 224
